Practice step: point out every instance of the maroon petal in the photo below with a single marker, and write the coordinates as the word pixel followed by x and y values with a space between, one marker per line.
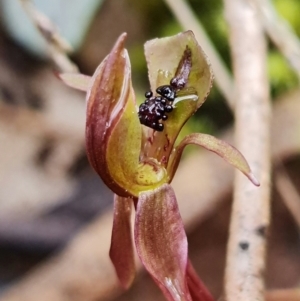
pixel 219 147
pixel 161 241
pixel 121 249
pixel 113 129
pixel 197 288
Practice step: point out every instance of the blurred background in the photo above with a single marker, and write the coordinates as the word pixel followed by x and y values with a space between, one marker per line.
pixel 55 213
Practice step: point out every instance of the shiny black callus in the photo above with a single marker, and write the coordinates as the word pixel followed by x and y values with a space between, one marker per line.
pixel 167 91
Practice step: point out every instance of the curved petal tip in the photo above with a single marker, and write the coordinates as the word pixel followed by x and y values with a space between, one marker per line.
pixel 253 179
pixel 220 147
pixel 75 80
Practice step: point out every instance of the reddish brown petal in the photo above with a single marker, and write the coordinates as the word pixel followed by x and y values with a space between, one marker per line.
pixel 197 288
pixel 113 129
pixel 220 147
pixel 161 241
pixel 121 249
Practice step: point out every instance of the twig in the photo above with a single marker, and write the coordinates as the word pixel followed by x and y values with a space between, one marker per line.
pixel 58 47
pixel 189 21
pixel 288 192
pixel 83 269
pixel 281 33
pixel 283 295
pixel 250 214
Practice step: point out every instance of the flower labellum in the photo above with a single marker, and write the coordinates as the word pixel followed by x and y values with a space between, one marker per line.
pixel 133 151
pixel 155 108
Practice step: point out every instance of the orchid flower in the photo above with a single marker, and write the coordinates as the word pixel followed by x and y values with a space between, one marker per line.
pixel 138 161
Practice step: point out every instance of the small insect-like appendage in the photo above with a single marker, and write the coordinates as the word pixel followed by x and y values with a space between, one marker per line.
pixel 177 83
pixel 153 110
pixel 167 92
pixel 148 94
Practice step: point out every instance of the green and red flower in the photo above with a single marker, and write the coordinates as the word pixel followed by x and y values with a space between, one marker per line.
pixel 138 162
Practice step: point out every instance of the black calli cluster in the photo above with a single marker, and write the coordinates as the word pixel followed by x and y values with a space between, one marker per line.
pixel 155 108
pixel 153 111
